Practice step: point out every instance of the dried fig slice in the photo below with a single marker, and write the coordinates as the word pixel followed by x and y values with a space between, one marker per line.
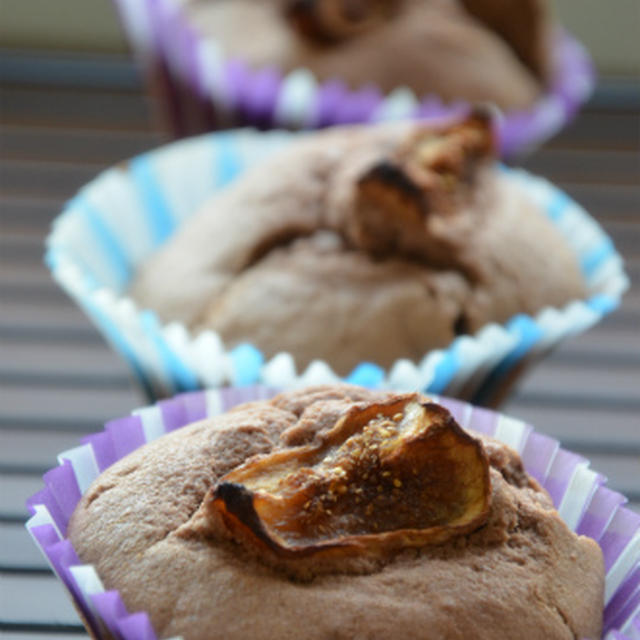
pixel 385 477
pixel 431 173
pixel 332 20
pixel 429 166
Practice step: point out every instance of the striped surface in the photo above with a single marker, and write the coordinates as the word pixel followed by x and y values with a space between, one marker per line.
pixel 60 381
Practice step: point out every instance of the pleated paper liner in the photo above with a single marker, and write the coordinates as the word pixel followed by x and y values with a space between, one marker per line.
pixel 580 495
pixel 200 89
pixel 122 216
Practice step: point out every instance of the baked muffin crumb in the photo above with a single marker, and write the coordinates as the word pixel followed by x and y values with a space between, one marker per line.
pixel 522 574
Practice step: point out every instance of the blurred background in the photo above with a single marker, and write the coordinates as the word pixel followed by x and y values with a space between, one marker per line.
pixel 609 29
pixel 72 103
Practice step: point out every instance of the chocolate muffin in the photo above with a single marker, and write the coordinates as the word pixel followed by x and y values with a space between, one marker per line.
pixel 476 50
pixel 364 244
pixel 337 512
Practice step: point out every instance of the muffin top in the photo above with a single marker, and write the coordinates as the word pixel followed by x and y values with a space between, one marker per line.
pixel 477 50
pixel 337 512
pixel 363 243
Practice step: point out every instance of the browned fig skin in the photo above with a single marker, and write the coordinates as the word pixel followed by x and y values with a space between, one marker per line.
pixel 388 182
pixel 327 21
pixel 455 151
pixel 430 174
pixel 399 474
pixel 234 504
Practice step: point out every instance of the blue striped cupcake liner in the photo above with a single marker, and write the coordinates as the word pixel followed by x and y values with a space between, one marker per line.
pixel 116 221
pixel 201 89
pixel 579 494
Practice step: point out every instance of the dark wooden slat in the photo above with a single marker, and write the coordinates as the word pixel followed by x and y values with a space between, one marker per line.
pixel 603 361
pixel 66 380
pixel 603 201
pixel 587 428
pixel 626 317
pixel 38 424
pixel 30 238
pixel 35 599
pixel 601 340
pixel 68 69
pixel 43 292
pixel 21 405
pixel 33 315
pixel 616 93
pixel 16 489
pixel 44 144
pixel 44 179
pixel 34 452
pixel 67 335
pixel 50 359
pixel 43 630
pixel 568 383
pixel 632 267
pixel 26 276
pixel 599 129
pixel 103 110
pixel 24 212
pixel 626 472
pixel 579 166
pixel 18 552
pixel 26 634
pixel 625 235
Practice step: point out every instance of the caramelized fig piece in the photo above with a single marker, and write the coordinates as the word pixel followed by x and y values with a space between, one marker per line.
pixel 431 173
pixel 385 477
pixel 332 20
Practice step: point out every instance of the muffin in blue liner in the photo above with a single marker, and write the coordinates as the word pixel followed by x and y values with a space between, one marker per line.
pixel 579 494
pixel 200 87
pixel 115 222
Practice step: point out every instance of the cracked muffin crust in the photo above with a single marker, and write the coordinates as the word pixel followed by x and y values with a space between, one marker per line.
pixel 515 572
pixel 363 243
pixel 476 50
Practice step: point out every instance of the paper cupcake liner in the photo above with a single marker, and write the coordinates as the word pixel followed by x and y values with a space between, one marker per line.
pixel 583 501
pixel 117 220
pixel 201 89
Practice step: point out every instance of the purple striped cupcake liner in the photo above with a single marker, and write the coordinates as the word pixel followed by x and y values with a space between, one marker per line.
pixel 580 495
pixel 200 89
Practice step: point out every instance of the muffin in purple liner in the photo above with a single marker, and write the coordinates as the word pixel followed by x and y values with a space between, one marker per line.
pixel 315 63
pixel 488 545
pixel 477 50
